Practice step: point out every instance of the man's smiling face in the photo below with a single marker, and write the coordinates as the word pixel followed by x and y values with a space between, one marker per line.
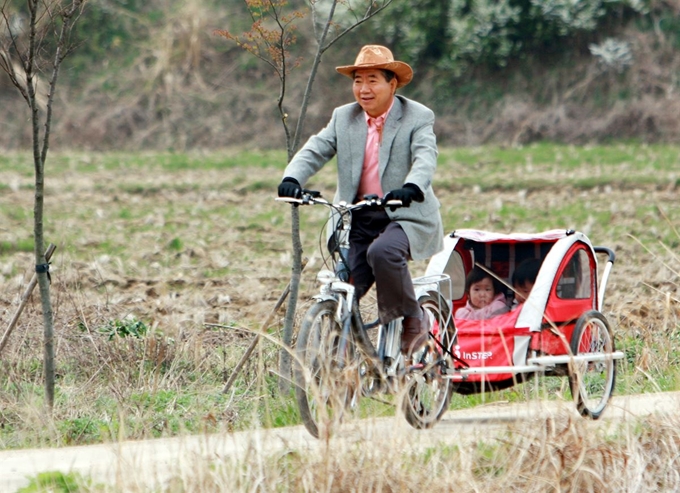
pixel 372 91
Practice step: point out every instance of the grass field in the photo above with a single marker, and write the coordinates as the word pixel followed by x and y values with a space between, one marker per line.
pixel 163 259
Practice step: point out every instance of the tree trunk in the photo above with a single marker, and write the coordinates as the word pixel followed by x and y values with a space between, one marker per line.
pixel 289 321
pixel 42 267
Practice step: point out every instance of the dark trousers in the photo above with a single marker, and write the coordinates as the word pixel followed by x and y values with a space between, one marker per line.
pixel 379 252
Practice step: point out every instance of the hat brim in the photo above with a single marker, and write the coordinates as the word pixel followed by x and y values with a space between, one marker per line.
pixel 403 71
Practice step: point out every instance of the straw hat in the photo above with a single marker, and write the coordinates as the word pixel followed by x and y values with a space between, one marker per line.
pixel 379 57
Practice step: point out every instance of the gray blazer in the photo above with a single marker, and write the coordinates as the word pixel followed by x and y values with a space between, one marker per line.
pixel 408 154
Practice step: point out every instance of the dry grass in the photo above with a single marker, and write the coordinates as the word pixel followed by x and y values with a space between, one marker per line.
pixel 561 456
pixel 553 454
pixel 186 249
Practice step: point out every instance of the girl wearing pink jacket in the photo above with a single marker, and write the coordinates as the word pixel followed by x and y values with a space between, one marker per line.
pixel 485 297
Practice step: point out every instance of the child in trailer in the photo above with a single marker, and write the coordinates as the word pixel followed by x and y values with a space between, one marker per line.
pixel 485 296
pixel 523 279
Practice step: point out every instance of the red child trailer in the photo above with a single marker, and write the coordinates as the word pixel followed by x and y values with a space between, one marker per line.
pixel 559 330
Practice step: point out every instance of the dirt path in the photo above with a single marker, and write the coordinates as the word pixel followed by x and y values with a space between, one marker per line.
pixel 150 464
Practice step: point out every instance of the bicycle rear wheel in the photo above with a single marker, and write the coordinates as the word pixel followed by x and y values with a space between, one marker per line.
pixel 428 391
pixel 328 382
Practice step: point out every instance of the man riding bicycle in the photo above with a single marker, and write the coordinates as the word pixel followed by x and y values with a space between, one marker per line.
pixel 383 143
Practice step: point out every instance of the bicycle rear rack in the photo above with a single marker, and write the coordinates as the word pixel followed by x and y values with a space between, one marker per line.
pixel 439 283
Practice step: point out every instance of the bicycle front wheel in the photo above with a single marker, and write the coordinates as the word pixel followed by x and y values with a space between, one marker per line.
pixel 326 373
pixel 428 391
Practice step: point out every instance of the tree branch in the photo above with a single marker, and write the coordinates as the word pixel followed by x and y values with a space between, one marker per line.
pixel 368 15
pixel 6 62
pixel 60 54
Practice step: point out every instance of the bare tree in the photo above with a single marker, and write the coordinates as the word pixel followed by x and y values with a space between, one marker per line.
pixel 269 39
pixel 36 38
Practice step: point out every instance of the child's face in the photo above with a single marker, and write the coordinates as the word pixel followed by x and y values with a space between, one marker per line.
pixel 481 293
pixel 522 291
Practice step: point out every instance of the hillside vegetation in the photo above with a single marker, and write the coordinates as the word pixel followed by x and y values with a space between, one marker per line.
pixel 152 74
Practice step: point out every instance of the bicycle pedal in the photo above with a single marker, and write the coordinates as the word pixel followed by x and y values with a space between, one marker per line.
pixel 392 384
pixel 372 386
pixel 418 356
pixel 372 382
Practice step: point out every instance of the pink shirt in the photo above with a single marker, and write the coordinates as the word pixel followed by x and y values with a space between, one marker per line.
pixel 496 307
pixel 370 174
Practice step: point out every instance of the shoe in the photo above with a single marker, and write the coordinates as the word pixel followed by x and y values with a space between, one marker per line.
pixel 414 333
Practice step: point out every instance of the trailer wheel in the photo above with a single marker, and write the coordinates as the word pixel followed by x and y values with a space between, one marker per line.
pixel 592 381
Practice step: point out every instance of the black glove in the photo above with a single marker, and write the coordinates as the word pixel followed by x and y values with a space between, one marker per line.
pixel 407 194
pixel 290 187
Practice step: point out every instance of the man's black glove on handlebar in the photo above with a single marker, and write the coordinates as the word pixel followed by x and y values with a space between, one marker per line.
pixel 290 187
pixel 407 194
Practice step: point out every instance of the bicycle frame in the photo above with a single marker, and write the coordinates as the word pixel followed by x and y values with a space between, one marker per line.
pixel 335 285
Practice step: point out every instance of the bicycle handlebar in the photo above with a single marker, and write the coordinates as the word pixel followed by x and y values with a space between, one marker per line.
pixel 340 244
pixel 312 197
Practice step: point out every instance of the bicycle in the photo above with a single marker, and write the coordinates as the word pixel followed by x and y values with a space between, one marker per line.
pixel 337 360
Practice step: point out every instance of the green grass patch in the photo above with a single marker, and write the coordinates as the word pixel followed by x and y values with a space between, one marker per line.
pixel 538 166
pixel 57 482
pixel 24 245
pixel 158 162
